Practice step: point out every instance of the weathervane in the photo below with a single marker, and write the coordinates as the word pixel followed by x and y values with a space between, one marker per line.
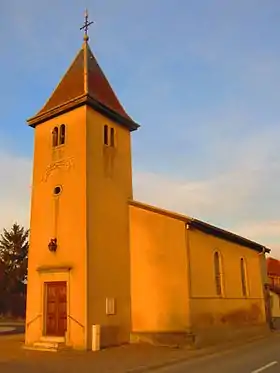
pixel 86 26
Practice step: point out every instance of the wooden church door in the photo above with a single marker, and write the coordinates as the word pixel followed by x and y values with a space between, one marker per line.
pixel 56 309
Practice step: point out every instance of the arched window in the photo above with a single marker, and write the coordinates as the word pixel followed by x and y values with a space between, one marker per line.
pixel 112 137
pixel 217 272
pixel 243 277
pixel 106 135
pixel 62 135
pixel 55 137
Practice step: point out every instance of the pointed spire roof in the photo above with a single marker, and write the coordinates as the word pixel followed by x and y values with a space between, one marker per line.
pixel 84 84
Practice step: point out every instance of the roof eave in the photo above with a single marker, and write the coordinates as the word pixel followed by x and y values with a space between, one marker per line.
pixel 128 122
pixel 77 102
pixel 204 227
pixel 218 232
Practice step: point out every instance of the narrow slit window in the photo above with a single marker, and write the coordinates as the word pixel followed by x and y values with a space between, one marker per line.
pixel 217 272
pixel 112 137
pixel 55 137
pixel 243 277
pixel 62 134
pixel 106 137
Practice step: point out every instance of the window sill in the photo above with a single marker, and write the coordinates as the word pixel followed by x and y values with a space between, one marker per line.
pixel 58 147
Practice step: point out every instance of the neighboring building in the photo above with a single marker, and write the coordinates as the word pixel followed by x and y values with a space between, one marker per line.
pixel 274 292
pixel 273 271
pixel 97 257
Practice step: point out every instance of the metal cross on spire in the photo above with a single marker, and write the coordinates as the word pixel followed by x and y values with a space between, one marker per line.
pixel 86 26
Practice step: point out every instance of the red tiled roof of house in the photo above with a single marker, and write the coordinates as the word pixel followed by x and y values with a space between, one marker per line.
pixel 273 266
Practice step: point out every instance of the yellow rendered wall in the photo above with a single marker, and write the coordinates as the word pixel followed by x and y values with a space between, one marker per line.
pixel 232 308
pixel 159 278
pixel 109 186
pixel 63 217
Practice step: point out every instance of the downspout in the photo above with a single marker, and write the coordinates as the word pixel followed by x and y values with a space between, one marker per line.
pixel 266 295
pixel 187 241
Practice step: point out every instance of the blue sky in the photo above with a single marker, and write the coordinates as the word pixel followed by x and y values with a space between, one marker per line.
pixel 201 77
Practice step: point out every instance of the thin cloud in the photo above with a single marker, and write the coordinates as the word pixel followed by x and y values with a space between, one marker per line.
pixel 268 228
pixel 15 189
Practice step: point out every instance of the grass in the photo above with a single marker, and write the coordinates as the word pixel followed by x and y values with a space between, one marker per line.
pixel 12 320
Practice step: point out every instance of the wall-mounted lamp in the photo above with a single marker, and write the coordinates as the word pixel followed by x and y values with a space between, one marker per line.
pixel 52 244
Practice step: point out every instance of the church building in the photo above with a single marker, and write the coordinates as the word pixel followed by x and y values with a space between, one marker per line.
pixel 98 257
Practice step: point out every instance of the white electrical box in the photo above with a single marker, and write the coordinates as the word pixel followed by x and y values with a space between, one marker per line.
pixel 110 306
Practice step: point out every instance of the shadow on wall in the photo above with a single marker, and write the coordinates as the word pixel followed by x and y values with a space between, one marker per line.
pixel 111 335
pixel 211 329
pixel 242 316
pixel 207 328
pixel 238 317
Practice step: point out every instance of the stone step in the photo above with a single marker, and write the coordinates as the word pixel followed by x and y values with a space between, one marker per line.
pixel 40 348
pixel 46 346
pixel 51 345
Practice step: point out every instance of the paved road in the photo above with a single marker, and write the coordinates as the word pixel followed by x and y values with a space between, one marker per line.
pixel 260 357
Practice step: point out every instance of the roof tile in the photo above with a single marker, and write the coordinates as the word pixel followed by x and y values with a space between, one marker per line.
pixel 273 267
pixel 85 77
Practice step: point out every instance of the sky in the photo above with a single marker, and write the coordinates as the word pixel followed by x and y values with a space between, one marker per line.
pixel 201 77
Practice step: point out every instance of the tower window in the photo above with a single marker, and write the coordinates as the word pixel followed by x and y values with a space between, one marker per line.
pixel 55 137
pixel 112 137
pixel 106 135
pixel 62 135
